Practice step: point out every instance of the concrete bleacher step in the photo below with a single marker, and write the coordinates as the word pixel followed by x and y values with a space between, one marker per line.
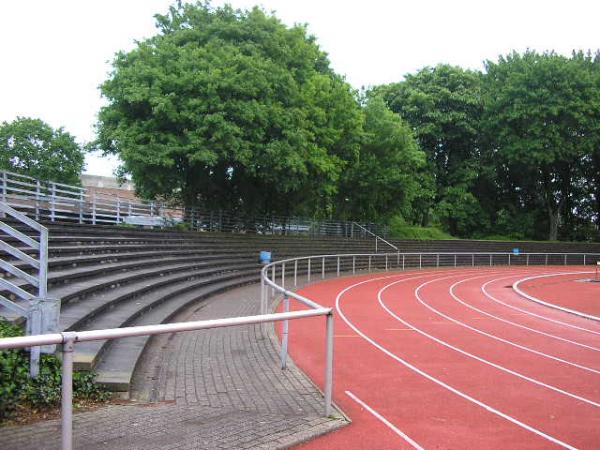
pixel 116 368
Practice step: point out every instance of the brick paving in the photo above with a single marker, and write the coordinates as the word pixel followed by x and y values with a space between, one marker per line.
pixel 210 389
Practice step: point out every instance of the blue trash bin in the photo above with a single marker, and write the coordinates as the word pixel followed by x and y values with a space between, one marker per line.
pixel 264 257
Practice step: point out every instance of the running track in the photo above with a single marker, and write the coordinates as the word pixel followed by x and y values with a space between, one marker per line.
pixel 453 358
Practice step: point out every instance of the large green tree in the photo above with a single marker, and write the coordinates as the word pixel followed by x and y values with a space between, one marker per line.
pixel 31 147
pixel 443 106
pixel 230 109
pixel 388 176
pixel 541 115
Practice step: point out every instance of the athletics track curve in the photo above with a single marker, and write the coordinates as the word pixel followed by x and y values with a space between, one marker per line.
pixel 453 358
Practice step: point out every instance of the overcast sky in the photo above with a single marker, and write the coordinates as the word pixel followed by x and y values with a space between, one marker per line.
pixel 55 53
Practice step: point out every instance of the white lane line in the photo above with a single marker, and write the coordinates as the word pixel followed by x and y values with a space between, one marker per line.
pixel 433 379
pixel 516 284
pixel 478 358
pixel 530 313
pixel 491 297
pixel 493 336
pixel 386 422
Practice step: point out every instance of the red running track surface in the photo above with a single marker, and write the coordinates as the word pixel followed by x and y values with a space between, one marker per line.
pixel 581 294
pixel 453 359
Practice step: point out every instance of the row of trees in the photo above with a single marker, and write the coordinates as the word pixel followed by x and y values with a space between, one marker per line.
pixel 513 150
pixel 232 109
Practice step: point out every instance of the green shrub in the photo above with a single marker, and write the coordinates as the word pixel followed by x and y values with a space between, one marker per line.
pixel 399 229
pixel 42 392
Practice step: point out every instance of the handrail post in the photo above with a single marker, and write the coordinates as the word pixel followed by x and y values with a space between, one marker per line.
pixel 527 260
pixel 262 294
pixel 67 393
pixel 284 334
pixel 509 255
pixel 491 256
pixel 283 275
pixel 546 258
pixel 584 259
pixel 386 262
pixel 37 199
pixel 338 266
pixel 295 273
pixel 308 269
pixel 273 280
pixel 118 210
pixel 473 260
pixel 43 271
pixel 565 259
pixel 328 363
pixel 420 260
pixel 369 263
pixel 81 206
pixel 376 238
pixel 437 261
pixel 53 201
pixel 455 260
pixel 323 268
pixel 353 265
pixel 94 208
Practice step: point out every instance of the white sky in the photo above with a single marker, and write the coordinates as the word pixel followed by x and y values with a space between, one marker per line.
pixel 55 53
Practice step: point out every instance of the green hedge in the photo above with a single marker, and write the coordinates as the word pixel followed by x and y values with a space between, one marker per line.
pixel 42 392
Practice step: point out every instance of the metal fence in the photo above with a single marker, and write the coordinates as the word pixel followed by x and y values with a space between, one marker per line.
pixel 47 200
pixel 274 275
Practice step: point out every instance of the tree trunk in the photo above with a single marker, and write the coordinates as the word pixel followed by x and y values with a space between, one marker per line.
pixel 553 215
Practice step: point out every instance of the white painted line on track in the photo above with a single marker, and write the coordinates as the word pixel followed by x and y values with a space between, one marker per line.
pixel 386 422
pixel 530 313
pixel 491 297
pixel 493 336
pixel 478 358
pixel 516 284
pixel 432 378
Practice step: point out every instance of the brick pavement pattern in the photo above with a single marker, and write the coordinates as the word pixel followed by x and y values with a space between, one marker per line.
pixel 210 389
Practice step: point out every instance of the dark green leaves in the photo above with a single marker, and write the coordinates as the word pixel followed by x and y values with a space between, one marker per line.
pixel 31 147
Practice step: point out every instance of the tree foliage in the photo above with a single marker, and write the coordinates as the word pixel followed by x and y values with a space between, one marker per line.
pixel 541 116
pixel 31 147
pixel 230 109
pixel 386 178
pixel 443 106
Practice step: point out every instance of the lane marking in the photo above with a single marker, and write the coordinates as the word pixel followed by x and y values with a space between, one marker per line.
pixel 435 380
pixel 471 355
pixel 491 297
pixel 493 336
pixel 382 419
pixel 516 284
pixel 530 313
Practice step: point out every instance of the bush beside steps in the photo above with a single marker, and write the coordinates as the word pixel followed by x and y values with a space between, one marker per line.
pixel 23 398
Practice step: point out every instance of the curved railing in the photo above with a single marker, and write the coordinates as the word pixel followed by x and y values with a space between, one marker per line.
pixel 275 275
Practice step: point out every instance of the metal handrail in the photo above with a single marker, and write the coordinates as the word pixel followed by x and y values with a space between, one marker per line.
pixel 274 271
pixel 62 202
pixel 376 237
pixel 70 338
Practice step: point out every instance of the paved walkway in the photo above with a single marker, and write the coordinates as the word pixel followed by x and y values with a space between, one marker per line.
pixel 211 389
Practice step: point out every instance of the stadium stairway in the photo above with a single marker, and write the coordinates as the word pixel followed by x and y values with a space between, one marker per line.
pixel 109 277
